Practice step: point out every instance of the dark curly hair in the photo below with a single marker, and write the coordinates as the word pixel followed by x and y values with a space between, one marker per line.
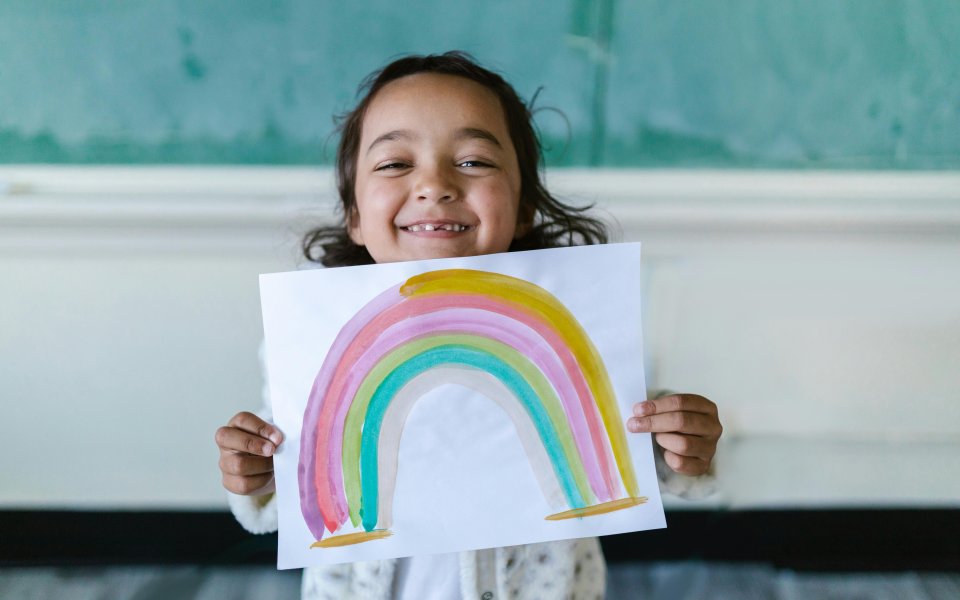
pixel 554 223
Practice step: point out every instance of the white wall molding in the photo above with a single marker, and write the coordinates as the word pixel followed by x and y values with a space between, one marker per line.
pixel 204 199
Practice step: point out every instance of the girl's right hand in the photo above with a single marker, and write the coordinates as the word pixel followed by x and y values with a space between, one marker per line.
pixel 247 445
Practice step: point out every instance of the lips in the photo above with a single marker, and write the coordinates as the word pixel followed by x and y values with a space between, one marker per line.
pixel 428 226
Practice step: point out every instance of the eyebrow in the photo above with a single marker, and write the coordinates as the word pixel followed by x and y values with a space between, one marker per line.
pixel 391 136
pixel 463 134
pixel 477 133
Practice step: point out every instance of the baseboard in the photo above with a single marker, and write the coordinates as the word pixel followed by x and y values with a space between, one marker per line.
pixel 803 540
pixel 812 540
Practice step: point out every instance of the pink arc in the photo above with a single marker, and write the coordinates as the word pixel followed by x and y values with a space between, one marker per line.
pixel 392 319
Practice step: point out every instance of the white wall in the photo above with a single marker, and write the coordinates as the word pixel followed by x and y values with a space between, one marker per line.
pixel 821 311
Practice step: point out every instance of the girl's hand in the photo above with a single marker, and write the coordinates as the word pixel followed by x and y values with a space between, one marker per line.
pixel 686 426
pixel 247 445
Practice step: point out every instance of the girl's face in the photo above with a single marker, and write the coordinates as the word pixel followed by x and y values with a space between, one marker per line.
pixel 437 174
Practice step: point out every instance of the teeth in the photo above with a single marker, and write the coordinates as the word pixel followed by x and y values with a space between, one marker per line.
pixel 434 227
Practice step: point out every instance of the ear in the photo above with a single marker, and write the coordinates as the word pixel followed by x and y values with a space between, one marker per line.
pixel 353 227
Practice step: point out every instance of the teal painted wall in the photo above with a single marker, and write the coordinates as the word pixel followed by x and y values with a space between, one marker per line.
pixel 642 83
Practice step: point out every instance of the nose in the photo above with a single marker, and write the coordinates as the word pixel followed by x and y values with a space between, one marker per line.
pixel 436 183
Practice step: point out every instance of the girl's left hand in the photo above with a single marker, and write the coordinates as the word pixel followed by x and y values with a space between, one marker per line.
pixel 686 426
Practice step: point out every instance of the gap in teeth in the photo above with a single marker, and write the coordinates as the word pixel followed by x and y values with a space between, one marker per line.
pixel 431 227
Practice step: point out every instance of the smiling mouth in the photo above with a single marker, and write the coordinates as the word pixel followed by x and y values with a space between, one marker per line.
pixel 451 227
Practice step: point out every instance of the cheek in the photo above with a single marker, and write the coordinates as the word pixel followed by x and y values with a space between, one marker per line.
pixel 502 213
pixel 372 204
pixel 380 196
pixel 502 194
pixel 509 207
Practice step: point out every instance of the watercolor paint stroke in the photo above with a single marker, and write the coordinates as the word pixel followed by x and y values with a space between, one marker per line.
pixel 502 336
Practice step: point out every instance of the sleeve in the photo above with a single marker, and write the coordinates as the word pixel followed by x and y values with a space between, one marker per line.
pixel 683 486
pixel 677 484
pixel 257 514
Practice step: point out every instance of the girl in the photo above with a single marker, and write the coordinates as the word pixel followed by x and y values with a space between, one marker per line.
pixel 440 159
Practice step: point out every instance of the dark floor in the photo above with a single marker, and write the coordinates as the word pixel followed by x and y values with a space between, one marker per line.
pixel 659 581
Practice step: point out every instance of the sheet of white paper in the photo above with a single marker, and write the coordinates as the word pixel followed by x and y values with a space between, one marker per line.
pixel 473 462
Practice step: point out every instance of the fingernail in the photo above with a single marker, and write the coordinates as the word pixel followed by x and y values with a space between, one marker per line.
pixel 267 449
pixel 642 408
pixel 275 437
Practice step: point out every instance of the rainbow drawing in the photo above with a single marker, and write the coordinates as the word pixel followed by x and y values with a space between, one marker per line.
pixel 502 336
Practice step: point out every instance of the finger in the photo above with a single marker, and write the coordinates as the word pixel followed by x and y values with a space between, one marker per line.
pixel 254 485
pixel 678 422
pixel 234 463
pixel 675 403
pixel 687 445
pixel 251 423
pixel 685 465
pixel 236 440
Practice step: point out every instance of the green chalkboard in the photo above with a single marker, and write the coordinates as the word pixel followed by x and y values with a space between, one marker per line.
pixel 801 84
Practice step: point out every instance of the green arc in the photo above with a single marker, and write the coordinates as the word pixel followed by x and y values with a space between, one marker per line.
pixel 530 387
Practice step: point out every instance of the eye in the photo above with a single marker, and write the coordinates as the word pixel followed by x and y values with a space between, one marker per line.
pixel 474 163
pixel 392 166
